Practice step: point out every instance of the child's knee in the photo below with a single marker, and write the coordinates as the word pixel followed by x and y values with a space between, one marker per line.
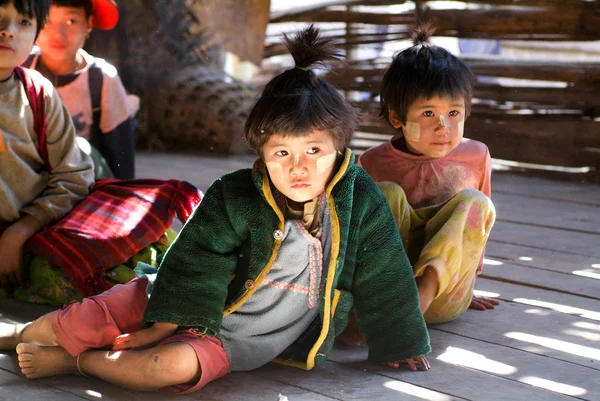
pixel 480 200
pixel 472 195
pixel 173 364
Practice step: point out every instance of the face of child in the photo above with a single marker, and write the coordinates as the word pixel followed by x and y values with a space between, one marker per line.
pixel 434 127
pixel 17 34
pixel 64 34
pixel 300 167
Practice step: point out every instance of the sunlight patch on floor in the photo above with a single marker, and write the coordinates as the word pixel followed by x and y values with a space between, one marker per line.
pixel 588 314
pixel 93 393
pixel 535 311
pixel 416 391
pixel 479 293
pixel 584 273
pixel 558 345
pixel 554 386
pixel 469 359
pixel 583 334
pixel 492 262
pixel 586 325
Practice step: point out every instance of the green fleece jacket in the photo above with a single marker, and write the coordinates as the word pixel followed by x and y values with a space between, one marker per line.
pixel 228 246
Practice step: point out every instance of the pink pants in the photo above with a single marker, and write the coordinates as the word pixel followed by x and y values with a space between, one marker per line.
pixel 95 322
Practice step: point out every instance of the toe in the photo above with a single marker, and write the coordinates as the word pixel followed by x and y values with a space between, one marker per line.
pixel 28 363
pixel 29 372
pixel 24 348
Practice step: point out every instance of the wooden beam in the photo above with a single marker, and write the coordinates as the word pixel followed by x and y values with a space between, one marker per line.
pixel 578 22
pixel 586 74
pixel 516 23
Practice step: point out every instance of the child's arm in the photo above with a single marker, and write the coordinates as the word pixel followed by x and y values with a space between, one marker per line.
pixel 72 171
pixel 12 242
pixel 386 299
pixel 148 336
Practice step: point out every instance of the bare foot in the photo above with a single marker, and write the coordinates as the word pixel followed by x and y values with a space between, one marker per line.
pixel 10 335
pixel 38 361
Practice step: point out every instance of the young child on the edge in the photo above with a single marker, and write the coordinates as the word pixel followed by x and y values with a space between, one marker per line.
pixel 31 197
pixel 267 267
pixel 58 240
pixel 440 198
pixel 90 87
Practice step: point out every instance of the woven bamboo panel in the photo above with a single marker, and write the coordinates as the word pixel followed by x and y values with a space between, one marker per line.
pixel 202 109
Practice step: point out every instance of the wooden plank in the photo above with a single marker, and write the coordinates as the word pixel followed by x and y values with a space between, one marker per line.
pixel 569 97
pixel 492 23
pixel 572 193
pixel 556 336
pixel 575 72
pixel 456 381
pixel 522 23
pixel 240 386
pixel 584 308
pixel 95 389
pixel 541 278
pixel 342 382
pixel 545 259
pixel 198 170
pixel 17 388
pixel 546 238
pixel 517 365
pixel 548 213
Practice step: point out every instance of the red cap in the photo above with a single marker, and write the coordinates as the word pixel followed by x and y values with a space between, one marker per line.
pixel 106 14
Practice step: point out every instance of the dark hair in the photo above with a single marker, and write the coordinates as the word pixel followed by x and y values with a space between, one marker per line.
pixel 297 102
pixel 85 4
pixel 423 71
pixel 34 9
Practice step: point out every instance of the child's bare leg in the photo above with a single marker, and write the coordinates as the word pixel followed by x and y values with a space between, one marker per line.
pixel 37 332
pixel 428 286
pixel 146 370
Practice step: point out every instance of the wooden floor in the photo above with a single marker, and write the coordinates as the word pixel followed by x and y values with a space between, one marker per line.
pixel 541 343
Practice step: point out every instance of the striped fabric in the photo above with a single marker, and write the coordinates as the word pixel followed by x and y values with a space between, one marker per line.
pixel 114 222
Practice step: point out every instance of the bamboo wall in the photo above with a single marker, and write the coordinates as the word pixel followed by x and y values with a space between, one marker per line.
pixel 552 117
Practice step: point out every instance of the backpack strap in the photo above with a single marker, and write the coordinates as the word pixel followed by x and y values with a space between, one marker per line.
pixel 95 82
pixel 35 94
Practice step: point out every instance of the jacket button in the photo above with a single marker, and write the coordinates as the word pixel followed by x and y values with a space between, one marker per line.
pixel 249 284
pixel 278 234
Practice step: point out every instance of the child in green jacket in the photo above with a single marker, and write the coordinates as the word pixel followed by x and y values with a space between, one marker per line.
pixel 266 269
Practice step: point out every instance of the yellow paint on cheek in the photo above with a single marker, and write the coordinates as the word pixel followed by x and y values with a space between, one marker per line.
pixel 325 162
pixel 412 131
pixel 275 169
pixel 461 127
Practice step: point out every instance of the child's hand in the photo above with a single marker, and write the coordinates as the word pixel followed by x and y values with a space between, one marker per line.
pixel 416 363
pixel 144 337
pixel 483 303
pixel 11 260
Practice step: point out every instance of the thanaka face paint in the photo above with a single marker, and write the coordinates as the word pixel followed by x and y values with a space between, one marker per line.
pixel 300 167
pixel 412 131
pixel 441 126
pixel 325 162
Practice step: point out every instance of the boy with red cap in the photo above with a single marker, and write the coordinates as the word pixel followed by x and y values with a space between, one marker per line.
pixel 90 87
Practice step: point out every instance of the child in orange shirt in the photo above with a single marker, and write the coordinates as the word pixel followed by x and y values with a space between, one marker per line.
pixel 436 181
